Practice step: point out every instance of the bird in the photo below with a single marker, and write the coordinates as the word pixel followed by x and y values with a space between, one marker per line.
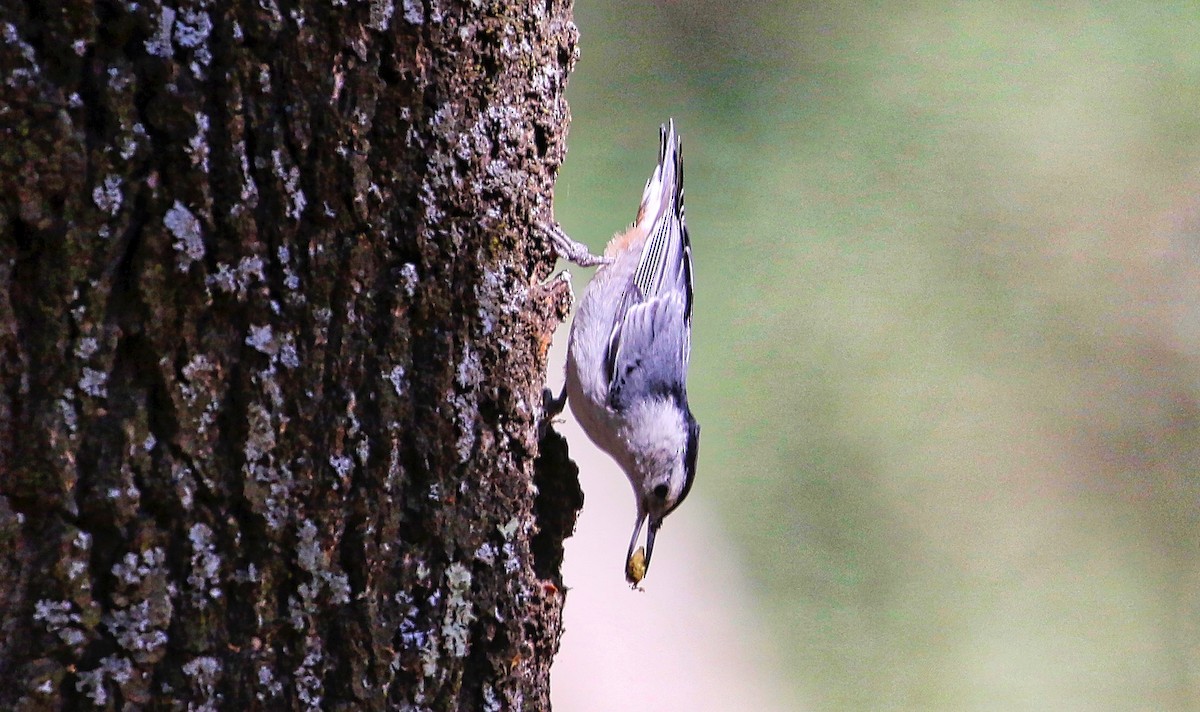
pixel 628 353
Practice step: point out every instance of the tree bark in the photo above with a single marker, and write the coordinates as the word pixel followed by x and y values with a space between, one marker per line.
pixel 273 333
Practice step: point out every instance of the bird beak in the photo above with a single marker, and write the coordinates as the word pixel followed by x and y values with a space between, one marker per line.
pixel 637 529
pixel 635 570
pixel 654 525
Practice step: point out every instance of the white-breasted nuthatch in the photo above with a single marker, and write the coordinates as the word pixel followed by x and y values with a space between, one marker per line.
pixel 628 354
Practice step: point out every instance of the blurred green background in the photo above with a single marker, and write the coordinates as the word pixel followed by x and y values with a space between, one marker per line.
pixel 946 350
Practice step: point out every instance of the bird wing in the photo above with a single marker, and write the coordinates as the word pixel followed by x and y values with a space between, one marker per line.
pixel 650 343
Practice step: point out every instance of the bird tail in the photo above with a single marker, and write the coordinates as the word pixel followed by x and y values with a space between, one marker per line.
pixel 664 191
pixel 665 262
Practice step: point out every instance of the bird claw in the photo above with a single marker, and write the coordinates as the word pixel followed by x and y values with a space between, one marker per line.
pixel 572 250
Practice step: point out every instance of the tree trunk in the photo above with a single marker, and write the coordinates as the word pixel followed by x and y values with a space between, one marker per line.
pixel 273 332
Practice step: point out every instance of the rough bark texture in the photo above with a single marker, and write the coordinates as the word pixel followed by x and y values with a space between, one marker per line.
pixel 273 332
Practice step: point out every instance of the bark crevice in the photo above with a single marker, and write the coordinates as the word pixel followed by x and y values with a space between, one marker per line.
pixel 273 336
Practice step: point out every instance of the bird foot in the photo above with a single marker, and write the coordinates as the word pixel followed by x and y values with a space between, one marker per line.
pixel 571 250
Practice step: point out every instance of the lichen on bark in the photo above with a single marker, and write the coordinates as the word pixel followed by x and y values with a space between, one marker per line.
pixel 274 314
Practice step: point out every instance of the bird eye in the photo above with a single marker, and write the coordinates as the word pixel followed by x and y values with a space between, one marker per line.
pixel 660 491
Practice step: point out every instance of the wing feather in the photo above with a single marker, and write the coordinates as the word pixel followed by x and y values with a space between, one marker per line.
pixel 649 355
pixel 650 343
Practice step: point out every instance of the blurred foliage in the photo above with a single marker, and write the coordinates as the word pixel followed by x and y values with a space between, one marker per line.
pixel 947 354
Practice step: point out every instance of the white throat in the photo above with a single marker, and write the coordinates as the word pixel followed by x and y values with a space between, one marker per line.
pixel 655 436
